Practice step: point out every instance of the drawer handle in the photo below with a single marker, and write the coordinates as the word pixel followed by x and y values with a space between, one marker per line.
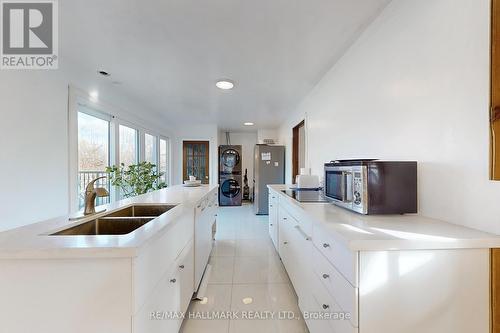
pixel 285 218
pixel 173 280
pixel 326 276
pixel 285 243
pixel 271 206
pixel 302 232
pixel 326 306
pixel 271 224
pixel 181 266
pixel 325 245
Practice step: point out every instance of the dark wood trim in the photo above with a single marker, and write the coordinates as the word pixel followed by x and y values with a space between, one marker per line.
pixel 295 150
pixel 185 176
pixel 495 287
pixel 495 92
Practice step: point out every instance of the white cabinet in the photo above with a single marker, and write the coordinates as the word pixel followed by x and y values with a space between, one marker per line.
pixel 411 291
pixel 205 215
pixel 295 250
pixel 171 296
pixel 273 219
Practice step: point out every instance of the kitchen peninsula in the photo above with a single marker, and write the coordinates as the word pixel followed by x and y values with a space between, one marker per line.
pixel 56 279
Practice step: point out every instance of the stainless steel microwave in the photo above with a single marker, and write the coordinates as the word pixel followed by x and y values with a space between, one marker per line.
pixel 372 186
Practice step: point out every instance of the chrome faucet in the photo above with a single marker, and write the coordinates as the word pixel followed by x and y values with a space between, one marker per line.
pixel 91 193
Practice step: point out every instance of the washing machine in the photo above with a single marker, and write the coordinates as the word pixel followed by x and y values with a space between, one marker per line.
pixel 230 190
pixel 230 159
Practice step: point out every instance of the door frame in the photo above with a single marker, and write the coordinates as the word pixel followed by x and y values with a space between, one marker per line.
pixel 295 149
pixel 207 158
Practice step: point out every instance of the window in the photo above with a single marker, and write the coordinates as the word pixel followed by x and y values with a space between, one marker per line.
pixel 93 152
pixel 150 151
pixel 128 145
pixel 99 139
pixel 162 164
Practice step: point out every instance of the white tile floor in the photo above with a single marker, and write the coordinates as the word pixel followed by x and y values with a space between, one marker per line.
pixel 247 278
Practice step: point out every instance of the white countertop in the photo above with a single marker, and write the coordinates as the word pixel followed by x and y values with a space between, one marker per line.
pixel 32 241
pixel 390 232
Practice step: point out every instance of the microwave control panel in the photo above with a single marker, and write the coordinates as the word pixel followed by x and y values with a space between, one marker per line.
pixel 358 188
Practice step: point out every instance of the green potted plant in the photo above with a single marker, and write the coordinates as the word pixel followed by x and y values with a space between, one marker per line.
pixel 135 179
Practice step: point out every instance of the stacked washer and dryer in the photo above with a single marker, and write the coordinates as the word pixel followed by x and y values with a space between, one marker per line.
pixel 230 178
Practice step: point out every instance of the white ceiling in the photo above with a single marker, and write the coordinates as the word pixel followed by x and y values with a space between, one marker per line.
pixel 168 54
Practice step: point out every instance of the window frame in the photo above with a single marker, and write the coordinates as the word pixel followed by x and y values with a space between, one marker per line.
pixel 156 145
pixel 120 122
pixel 168 157
pixel 78 98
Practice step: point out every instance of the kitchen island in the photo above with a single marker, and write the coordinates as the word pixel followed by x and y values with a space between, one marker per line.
pixel 140 281
pixel 383 273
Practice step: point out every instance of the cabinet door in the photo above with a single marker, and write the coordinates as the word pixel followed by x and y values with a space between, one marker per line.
pixel 153 317
pixel 203 240
pixel 300 253
pixel 273 220
pixel 185 265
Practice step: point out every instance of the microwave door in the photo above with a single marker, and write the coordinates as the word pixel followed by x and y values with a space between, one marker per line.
pixel 334 185
pixel 339 185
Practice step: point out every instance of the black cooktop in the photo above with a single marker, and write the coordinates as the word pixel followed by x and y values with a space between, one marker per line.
pixel 306 195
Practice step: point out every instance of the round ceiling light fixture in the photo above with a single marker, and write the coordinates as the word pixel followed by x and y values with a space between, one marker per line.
pixel 225 84
pixel 94 95
pixel 248 124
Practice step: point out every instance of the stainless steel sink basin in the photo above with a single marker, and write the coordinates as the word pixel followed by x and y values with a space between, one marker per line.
pixel 106 226
pixel 142 211
pixel 120 222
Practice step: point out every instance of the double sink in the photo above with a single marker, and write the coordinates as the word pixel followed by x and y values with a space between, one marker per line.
pixel 120 222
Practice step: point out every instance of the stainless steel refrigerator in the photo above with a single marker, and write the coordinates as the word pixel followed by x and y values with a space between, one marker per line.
pixel 269 168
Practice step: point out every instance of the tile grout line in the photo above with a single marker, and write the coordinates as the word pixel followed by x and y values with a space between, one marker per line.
pixel 232 286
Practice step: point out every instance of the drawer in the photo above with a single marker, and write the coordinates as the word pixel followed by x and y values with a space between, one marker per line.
pixel 344 294
pixel 273 199
pixel 290 213
pixel 344 260
pixel 326 304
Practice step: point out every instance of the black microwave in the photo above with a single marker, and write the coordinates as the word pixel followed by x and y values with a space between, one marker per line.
pixel 372 186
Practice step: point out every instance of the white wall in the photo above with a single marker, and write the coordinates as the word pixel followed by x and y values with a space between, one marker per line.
pixel 33 147
pixel 195 132
pixel 415 86
pixel 34 150
pixel 247 140
pixel 268 134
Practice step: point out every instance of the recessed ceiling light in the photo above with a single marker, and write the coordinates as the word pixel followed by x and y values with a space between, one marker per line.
pixel 94 94
pixel 224 84
pixel 103 73
pixel 248 124
pixel 247 300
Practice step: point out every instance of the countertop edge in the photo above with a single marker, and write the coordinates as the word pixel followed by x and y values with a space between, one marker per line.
pixel 488 242
pixel 23 252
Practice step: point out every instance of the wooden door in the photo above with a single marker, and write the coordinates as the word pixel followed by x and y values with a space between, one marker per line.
pixel 495 154
pixel 298 149
pixel 196 160
pixel 495 91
